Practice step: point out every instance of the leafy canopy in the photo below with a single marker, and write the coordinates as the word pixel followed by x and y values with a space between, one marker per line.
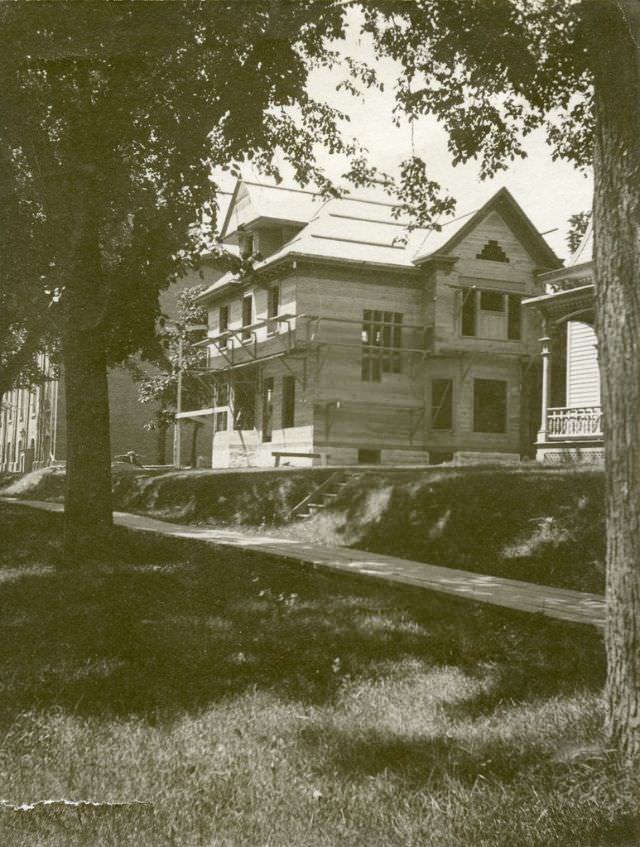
pixel 112 118
pixel 491 72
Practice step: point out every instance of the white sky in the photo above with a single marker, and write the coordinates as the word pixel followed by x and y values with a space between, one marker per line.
pixel 548 191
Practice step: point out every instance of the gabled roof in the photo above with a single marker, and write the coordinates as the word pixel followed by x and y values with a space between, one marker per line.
pixel 504 203
pixel 580 263
pixel 351 230
pixel 584 253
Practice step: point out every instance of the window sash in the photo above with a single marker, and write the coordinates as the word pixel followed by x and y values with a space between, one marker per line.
pixel 288 401
pixel 247 316
pixel 442 404
pixel 381 344
pixel 223 324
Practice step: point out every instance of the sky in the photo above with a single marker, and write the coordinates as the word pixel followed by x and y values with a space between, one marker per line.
pixel 549 192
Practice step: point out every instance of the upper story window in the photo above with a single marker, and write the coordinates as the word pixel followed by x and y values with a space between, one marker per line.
pixel 273 309
pixel 247 244
pixel 381 344
pixel 491 314
pixel 491 301
pixel 247 316
pixel 223 324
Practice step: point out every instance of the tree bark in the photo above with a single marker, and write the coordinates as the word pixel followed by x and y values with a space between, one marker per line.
pixel 87 506
pixel 197 426
pixel 616 63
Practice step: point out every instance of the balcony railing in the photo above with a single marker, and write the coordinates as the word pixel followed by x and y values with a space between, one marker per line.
pixel 574 422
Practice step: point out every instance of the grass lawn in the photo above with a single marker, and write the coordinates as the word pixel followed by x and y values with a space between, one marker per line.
pixel 244 701
pixel 538 524
pixel 534 523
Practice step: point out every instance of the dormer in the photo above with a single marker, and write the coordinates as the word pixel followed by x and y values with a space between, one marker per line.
pixel 262 218
pixel 264 241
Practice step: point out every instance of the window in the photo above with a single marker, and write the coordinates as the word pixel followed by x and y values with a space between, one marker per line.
pixel 492 301
pixel 489 405
pixel 223 323
pixel 273 308
pixel 221 394
pixel 368 457
pixel 381 344
pixel 469 311
pixel 514 318
pixel 220 422
pixel 244 402
pixel 267 408
pixel 246 245
pixel 442 404
pixel 491 314
pixel 288 401
pixel 247 316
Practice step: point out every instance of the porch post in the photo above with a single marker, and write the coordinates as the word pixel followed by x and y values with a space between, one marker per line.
pixel 546 382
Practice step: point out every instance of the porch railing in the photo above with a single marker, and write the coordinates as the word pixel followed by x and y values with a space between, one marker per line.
pixel 574 422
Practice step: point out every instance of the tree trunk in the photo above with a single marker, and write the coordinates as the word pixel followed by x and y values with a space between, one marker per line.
pixel 87 506
pixel 194 443
pixel 616 62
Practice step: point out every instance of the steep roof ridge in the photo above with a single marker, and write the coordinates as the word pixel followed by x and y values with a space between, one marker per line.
pixel 584 251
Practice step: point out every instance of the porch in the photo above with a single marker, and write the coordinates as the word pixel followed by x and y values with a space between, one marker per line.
pixel 571 420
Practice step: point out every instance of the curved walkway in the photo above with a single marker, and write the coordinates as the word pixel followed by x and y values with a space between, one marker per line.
pixel 561 603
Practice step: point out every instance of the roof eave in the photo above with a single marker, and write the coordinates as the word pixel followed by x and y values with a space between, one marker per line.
pixel 569 271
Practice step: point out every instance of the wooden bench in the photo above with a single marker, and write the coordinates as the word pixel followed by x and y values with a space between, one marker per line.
pixel 278 454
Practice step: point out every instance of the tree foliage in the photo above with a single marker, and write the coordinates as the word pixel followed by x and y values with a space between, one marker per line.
pixel 492 72
pixel 578 224
pixel 182 352
pixel 113 116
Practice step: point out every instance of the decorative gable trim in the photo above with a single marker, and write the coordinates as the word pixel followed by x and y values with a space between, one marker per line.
pixel 492 252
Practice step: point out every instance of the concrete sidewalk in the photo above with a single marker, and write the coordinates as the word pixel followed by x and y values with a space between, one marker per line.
pixel 560 603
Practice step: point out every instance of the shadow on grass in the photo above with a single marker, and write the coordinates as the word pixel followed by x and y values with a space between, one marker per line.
pixel 422 762
pixel 174 625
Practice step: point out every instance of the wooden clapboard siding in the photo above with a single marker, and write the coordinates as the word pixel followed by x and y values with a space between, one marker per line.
pixel 520 265
pixel 368 425
pixel 337 409
pixel 583 378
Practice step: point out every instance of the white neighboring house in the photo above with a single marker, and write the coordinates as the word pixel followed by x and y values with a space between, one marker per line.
pixel 32 424
pixel 571 414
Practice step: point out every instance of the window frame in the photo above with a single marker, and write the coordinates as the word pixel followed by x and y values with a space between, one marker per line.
pixel 273 302
pixel 288 402
pixel 268 387
pixel 488 429
pixel 223 324
pixel 437 408
pixel 246 333
pixel 382 343
pixel 488 295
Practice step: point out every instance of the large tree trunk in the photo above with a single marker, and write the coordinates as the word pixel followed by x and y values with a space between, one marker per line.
pixel 616 59
pixel 87 506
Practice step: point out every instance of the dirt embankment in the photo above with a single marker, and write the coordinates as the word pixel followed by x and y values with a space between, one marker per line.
pixel 542 525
